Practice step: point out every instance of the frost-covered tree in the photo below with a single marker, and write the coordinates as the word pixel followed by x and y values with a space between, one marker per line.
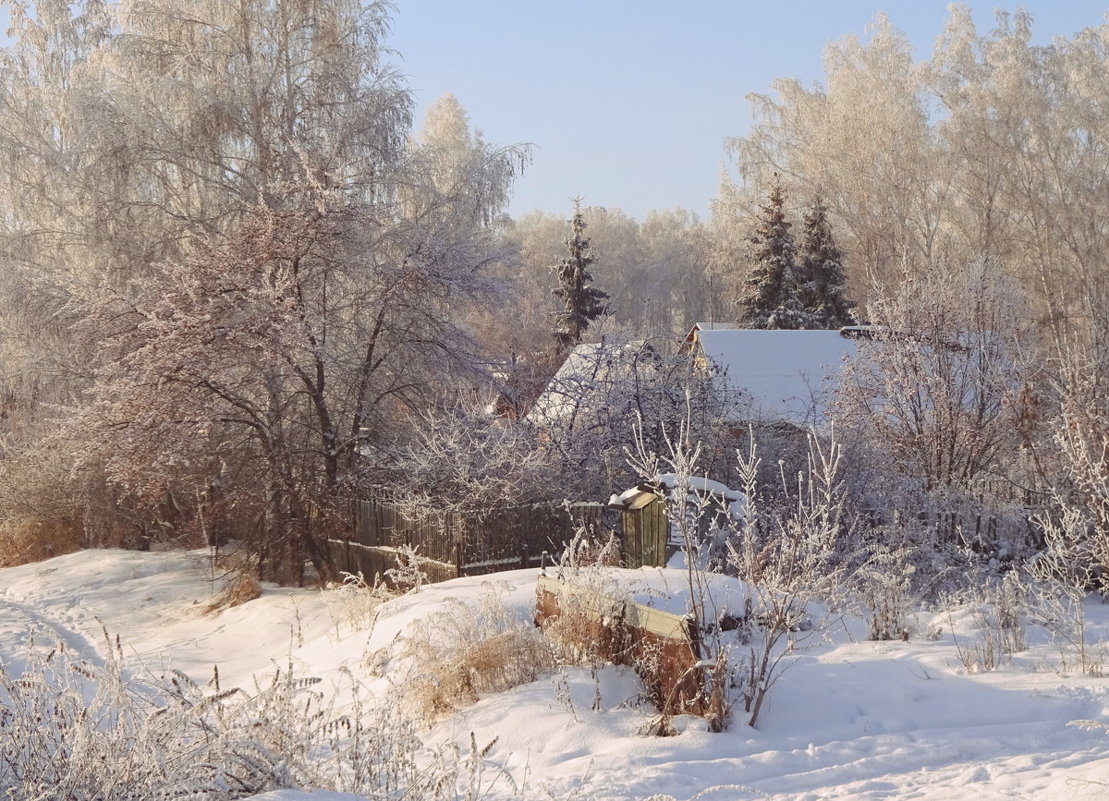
pixel 983 150
pixel 654 269
pixel 821 269
pixel 934 407
pixel 861 139
pixel 582 303
pixel 262 270
pixel 770 296
pixel 459 167
pixel 1081 433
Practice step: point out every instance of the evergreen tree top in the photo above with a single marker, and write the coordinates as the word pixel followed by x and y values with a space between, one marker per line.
pixel 821 271
pixel 582 303
pixel 769 297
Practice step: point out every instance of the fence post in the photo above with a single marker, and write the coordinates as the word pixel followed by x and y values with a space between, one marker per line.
pixel 455 533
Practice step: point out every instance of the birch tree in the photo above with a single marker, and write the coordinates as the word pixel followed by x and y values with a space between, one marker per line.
pixel 267 269
pixel 862 141
pixel 985 150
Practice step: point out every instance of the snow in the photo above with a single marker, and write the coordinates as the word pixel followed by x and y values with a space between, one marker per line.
pixel 575 385
pixel 788 374
pixel 849 719
pixel 700 485
pixel 698 488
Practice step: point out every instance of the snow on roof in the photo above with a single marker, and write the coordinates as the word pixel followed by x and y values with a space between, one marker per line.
pixel 697 488
pixel 787 374
pixel 700 484
pixel 698 327
pixel 588 366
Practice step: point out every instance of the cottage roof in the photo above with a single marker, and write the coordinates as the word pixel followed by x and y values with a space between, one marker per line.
pixel 588 368
pixel 788 375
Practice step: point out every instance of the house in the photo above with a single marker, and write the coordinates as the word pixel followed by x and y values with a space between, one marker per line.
pixel 592 385
pixel 777 379
pixel 777 376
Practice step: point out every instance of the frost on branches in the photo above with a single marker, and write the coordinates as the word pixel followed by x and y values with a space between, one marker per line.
pixel 273 271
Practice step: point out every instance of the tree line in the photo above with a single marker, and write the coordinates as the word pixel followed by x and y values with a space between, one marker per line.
pixel 242 287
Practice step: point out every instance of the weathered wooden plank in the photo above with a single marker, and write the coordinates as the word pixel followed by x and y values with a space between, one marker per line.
pixel 656 643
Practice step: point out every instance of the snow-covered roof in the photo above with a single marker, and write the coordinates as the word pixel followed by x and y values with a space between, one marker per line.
pixel 715 326
pixel 691 337
pixel 588 367
pixel 699 484
pixel 787 375
pixel 668 483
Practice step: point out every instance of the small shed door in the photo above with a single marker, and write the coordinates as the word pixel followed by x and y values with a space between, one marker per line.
pixel 646 532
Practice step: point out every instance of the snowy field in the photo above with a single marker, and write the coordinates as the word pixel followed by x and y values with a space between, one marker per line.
pixel 850 719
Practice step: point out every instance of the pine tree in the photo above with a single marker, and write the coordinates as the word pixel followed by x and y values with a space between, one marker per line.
pixel 582 303
pixel 821 272
pixel 770 296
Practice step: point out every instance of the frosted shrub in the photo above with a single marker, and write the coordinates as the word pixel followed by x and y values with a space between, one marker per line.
pixel 789 555
pixel 588 629
pixel 240 588
pixel 999 617
pixel 86 732
pixel 449 660
pixel 1010 597
pixel 590 549
pixel 1063 575
pixel 354 601
pixel 584 632
pixel 886 581
pixel 73 730
pixel 407 576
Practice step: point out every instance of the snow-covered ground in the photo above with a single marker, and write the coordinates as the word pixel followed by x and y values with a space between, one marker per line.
pixel 850 719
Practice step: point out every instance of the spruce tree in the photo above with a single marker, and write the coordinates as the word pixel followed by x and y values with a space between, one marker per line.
pixel 821 272
pixel 581 302
pixel 770 296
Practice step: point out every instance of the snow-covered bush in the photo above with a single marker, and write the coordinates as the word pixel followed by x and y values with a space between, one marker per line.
pixel 788 552
pixel 444 663
pixel 587 629
pixel 80 731
pixel 86 732
pixel 590 548
pixel 1081 435
pixel 940 415
pixel 791 558
pixel 885 585
pixel 1064 575
pixel 998 611
pixel 354 601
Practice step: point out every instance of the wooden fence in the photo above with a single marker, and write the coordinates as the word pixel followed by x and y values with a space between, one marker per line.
pixel 457 543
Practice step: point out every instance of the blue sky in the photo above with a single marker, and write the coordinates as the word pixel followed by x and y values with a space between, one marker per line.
pixel 628 101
